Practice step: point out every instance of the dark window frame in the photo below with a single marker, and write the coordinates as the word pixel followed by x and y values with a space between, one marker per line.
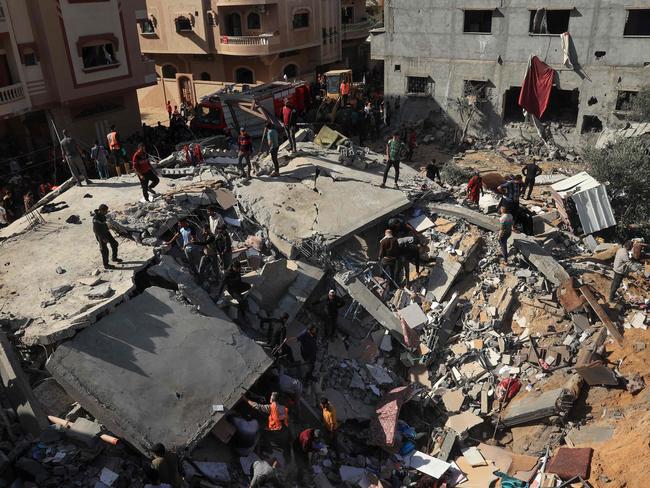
pixel 248 21
pixel 554 13
pixel 419 85
pixel 109 48
pixel 646 12
pixel 187 24
pixel 301 20
pixel 148 21
pixel 468 13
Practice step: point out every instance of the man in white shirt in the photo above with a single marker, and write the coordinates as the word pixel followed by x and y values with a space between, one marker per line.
pixel 621 269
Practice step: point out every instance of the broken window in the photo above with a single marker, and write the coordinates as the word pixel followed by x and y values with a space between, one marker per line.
pixel 625 99
pixel 591 123
pixel 511 110
pixel 421 85
pixel 478 21
pixel 98 55
pixel 183 24
pixel 544 21
pixel 637 22
pixel 563 106
pixel 476 89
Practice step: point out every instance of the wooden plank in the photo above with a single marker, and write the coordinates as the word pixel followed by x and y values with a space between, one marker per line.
pixel 602 315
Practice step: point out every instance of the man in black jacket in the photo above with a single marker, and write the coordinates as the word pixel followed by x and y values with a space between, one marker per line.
pixel 332 303
pixel 530 172
pixel 104 236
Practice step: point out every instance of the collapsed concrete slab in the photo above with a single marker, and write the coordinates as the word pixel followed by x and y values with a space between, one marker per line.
pixel 541 259
pixel 156 371
pixel 442 277
pixel 380 312
pixel 346 201
pixel 56 254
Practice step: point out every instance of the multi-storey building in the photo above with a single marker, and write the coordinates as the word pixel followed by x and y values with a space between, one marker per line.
pixel 439 51
pixel 248 41
pixel 76 63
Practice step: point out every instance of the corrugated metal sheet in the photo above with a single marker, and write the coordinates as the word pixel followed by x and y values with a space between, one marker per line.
pixel 594 209
pixel 591 201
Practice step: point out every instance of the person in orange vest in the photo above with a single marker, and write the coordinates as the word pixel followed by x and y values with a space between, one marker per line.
pixel 278 422
pixel 345 91
pixel 115 148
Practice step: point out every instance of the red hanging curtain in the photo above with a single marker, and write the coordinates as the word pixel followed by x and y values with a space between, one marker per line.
pixel 536 89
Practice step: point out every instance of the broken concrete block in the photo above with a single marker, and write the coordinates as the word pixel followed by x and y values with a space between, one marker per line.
pixel 453 400
pixel 463 422
pixel 442 277
pixel 413 315
pixel 101 291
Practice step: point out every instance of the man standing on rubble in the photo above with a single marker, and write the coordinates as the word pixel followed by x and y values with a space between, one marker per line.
pixel 104 236
pixel 505 231
pixel 290 122
pixel 142 166
pixel 330 423
pixel 209 260
pixel 245 150
pixel 272 140
pixel 186 235
pixel 235 285
pixel 389 254
pixel 278 422
pixel 246 435
pixel 72 154
pixel 433 171
pixel 622 265
pixel 332 305
pixel 99 155
pixel 309 350
pixel 115 147
pixel 511 191
pixel 530 172
pixel 395 150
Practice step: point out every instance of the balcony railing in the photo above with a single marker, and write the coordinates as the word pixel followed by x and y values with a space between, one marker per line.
pixel 263 40
pixel 11 93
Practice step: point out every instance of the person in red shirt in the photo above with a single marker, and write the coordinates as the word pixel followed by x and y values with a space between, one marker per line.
pixel 290 123
pixel 245 150
pixel 142 167
pixel 303 446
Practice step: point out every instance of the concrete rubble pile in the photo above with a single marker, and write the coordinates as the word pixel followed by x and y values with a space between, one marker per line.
pixel 464 370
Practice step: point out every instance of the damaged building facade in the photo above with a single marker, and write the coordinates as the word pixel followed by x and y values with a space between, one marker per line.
pixel 440 52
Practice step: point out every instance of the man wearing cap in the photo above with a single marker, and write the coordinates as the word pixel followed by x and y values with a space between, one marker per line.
pixel 245 150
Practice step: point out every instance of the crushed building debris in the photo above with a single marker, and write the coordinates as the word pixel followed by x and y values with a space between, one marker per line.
pixel 444 364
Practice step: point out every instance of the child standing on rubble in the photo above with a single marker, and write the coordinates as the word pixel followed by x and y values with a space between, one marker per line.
pixel 505 231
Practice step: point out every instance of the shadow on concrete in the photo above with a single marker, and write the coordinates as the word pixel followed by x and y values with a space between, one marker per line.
pixel 115 338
